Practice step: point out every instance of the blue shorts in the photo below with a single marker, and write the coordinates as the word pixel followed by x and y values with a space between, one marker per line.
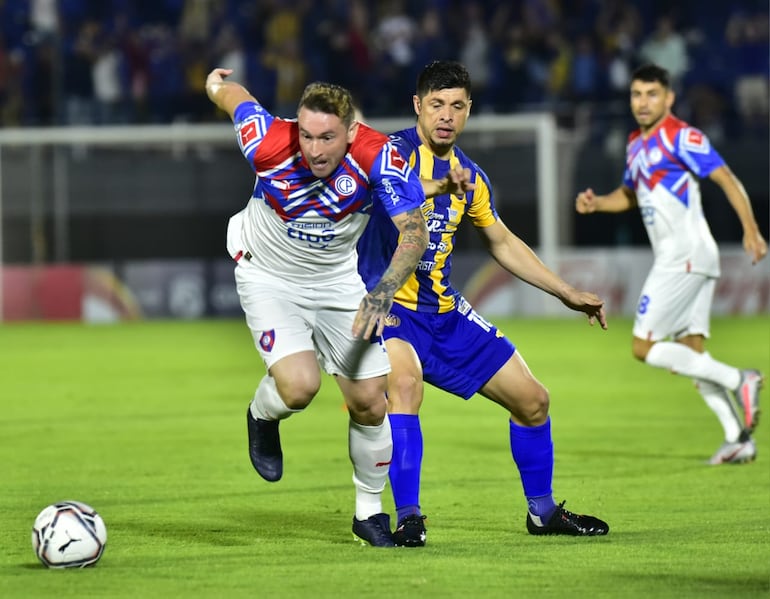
pixel 459 350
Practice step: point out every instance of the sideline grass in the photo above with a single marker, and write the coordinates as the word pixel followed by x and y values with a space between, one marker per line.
pixel 145 421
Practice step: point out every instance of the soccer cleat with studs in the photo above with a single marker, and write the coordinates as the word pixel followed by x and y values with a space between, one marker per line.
pixel 265 447
pixel 410 532
pixel 747 397
pixel 564 522
pixel 374 531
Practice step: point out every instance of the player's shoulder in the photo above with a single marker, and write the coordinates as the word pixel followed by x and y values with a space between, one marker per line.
pixel 406 139
pixel 367 145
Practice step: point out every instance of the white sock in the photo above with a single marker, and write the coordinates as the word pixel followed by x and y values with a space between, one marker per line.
pixel 267 403
pixel 718 400
pixel 680 359
pixel 370 449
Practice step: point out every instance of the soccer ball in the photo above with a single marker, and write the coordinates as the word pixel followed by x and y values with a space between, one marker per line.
pixel 69 534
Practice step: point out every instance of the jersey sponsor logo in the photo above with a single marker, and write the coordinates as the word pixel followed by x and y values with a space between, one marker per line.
pixel 345 185
pixel 316 240
pixel 394 197
pixel 267 340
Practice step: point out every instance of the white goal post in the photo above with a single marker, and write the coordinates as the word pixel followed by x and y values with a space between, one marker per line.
pixel 540 128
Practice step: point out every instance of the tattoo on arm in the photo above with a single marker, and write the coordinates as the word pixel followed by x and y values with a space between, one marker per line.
pixel 412 242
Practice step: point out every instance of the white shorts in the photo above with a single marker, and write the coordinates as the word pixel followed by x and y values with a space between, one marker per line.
pixel 674 305
pixel 285 318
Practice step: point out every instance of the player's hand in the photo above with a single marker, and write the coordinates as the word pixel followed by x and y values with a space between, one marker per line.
pixel 458 181
pixel 588 303
pixel 215 79
pixel 755 246
pixel 585 203
pixel 370 318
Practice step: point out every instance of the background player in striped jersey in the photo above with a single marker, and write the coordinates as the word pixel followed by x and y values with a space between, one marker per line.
pixel 318 176
pixel 664 159
pixel 433 334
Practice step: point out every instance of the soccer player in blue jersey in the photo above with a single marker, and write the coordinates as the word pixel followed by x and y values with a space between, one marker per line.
pixel 432 333
pixel 664 159
pixel 317 178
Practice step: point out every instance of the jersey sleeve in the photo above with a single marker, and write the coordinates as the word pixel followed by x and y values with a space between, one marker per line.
pixel 694 149
pixel 482 209
pixel 251 122
pixel 394 184
pixel 403 144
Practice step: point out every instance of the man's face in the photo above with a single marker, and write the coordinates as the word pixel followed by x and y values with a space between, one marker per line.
pixel 323 139
pixel 441 117
pixel 650 103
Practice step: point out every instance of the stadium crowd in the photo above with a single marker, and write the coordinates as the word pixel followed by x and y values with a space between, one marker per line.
pixel 68 62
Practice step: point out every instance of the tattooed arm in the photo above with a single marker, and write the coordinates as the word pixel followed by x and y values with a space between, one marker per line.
pixel 412 241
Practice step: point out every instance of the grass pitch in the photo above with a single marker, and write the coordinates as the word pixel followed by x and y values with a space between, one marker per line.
pixel 145 422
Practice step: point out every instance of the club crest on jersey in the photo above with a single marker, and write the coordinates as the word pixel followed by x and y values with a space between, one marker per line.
pixel 654 155
pixel 391 320
pixel 345 185
pixel 267 340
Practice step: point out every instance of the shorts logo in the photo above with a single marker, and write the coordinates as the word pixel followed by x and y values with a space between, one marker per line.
pixel 391 320
pixel 345 185
pixel 267 340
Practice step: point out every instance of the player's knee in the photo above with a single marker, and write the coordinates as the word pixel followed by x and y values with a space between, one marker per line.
pixel 404 393
pixel 299 392
pixel 533 411
pixel 640 349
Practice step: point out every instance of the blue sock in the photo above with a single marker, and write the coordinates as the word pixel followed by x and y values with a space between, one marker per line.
pixel 532 450
pixel 407 460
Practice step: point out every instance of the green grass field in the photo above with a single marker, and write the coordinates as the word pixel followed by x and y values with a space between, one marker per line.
pixel 145 422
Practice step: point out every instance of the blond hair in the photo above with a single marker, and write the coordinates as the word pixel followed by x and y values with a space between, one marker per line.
pixel 330 99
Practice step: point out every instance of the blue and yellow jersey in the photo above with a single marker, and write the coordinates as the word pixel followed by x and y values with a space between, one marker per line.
pixel 428 288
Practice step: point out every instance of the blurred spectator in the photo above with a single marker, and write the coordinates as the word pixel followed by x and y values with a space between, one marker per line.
pixel 666 47
pixel 474 53
pixel 586 80
pixel 107 82
pixel 395 35
pixel 747 38
pixel 84 61
pixel 77 74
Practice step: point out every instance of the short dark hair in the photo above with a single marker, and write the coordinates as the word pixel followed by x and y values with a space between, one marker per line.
pixel 652 73
pixel 329 99
pixel 443 74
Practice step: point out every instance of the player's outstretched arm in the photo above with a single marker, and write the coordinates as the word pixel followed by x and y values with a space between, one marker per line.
pixel 619 200
pixel 753 242
pixel 226 95
pixel 520 260
pixel 413 240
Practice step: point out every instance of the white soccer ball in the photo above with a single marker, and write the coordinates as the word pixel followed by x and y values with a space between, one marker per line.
pixel 69 534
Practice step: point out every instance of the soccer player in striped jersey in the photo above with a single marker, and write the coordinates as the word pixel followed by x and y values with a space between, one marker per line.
pixel 664 159
pixel 317 178
pixel 434 335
